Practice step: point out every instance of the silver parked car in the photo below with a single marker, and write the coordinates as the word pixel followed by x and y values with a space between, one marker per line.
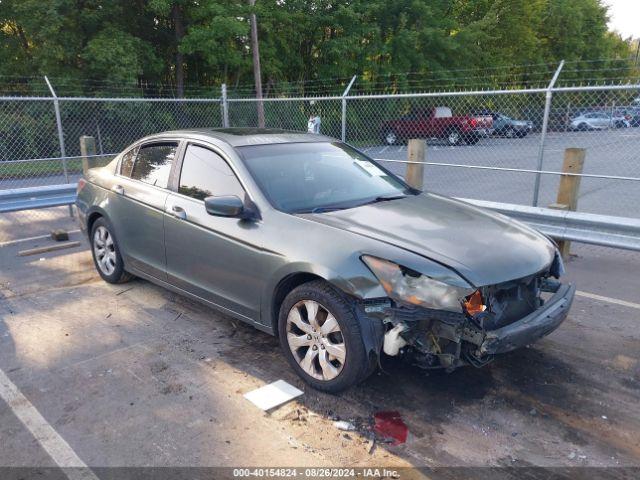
pixel 598 121
pixel 309 239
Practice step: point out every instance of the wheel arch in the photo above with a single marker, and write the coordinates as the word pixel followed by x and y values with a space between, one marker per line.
pixel 357 284
pixel 282 289
pixel 93 215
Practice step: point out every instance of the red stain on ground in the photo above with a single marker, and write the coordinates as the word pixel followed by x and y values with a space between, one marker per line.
pixel 389 425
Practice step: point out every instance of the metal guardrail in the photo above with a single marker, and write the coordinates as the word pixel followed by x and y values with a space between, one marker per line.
pixel 32 198
pixel 603 230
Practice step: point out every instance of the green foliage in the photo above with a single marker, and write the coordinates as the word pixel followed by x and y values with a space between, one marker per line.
pixel 207 41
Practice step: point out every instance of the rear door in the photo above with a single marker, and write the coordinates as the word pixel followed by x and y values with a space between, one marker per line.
pixel 215 258
pixel 604 120
pixel 137 207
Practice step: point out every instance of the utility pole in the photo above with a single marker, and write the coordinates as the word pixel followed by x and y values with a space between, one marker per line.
pixel 256 64
pixel 178 25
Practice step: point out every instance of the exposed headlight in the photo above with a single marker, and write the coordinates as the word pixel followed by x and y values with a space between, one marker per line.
pixel 408 286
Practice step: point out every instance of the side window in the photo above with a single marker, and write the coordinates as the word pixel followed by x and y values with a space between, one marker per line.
pixel 205 173
pixel 153 163
pixel 126 163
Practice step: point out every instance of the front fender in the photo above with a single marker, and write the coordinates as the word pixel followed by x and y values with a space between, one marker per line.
pixel 356 281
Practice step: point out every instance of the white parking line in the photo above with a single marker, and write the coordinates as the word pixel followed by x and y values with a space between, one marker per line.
pixel 384 149
pixel 57 448
pixel 602 298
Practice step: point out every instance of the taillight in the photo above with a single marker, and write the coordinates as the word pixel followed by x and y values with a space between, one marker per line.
pixel 473 123
pixel 81 183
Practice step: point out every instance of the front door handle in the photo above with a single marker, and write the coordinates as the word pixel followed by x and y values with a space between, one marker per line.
pixel 118 189
pixel 178 212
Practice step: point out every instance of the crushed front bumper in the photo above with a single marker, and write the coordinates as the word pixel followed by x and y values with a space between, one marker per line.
pixel 534 326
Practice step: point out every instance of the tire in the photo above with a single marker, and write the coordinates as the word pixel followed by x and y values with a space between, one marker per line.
pixel 310 354
pixel 106 254
pixel 510 132
pixel 390 137
pixel 583 127
pixel 454 137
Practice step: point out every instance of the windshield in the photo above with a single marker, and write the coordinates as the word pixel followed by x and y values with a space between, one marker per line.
pixel 310 177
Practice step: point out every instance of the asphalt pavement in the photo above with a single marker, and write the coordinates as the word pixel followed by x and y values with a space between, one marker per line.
pixel 611 152
pixel 132 375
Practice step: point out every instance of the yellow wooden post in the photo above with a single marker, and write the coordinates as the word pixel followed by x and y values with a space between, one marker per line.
pixel 569 188
pixel 416 152
pixel 87 149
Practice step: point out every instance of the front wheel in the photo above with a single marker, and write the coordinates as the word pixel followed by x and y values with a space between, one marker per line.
pixel 321 339
pixel 391 138
pixel 454 138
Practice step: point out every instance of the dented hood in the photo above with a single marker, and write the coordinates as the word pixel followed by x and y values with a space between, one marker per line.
pixel 485 248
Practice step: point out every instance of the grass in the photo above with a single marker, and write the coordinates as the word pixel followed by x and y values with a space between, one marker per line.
pixel 42 168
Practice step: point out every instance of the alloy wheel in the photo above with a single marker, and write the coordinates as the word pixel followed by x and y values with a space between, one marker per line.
pixel 453 137
pixel 104 250
pixel 315 339
pixel 391 138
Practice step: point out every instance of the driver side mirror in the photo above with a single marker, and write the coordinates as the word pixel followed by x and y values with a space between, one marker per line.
pixel 226 206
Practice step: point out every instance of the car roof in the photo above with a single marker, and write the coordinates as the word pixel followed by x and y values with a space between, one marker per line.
pixel 239 137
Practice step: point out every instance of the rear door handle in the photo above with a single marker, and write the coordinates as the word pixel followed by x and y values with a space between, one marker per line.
pixel 178 212
pixel 118 189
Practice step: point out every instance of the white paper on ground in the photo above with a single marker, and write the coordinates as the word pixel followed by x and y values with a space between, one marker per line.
pixel 272 395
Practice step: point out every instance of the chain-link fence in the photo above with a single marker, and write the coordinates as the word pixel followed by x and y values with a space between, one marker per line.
pixel 505 146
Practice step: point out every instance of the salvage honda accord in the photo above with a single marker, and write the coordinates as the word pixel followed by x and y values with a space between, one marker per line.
pixel 308 239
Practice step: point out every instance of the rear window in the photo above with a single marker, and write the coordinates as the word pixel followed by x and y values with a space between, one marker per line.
pixel 153 163
pixel 126 164
pixel 443 112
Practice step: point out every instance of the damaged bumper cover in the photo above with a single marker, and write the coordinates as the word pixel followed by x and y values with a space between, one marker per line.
pixel 534 326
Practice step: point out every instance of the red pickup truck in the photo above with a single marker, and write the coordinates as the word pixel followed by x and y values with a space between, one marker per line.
pixel 437 122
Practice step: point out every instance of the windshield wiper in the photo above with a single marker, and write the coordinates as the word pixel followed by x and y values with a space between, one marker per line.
pixel 332 208
pixel 329 208
pixel 384 198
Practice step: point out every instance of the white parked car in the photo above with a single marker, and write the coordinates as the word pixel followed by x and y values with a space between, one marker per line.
pixel 598 121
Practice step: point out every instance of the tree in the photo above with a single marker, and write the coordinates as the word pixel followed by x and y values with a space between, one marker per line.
pixel 386 42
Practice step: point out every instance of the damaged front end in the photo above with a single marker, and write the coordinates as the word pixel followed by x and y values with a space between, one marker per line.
pixel 435 325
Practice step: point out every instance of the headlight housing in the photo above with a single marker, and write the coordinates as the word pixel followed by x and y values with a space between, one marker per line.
pixel 408 286
pixel 557 266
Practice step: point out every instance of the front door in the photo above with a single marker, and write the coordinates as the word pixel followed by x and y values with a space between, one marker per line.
pixel 215 258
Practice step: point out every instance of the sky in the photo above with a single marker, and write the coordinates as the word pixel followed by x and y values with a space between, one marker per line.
pixel 625 17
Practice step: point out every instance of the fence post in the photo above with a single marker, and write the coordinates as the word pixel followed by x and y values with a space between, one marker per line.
pixel 63 154
pixel 344 109
pixel 543 133
pixel 225 107
pixel 87 150
pixel 99 137
pixel 416 151
pixel 569 188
